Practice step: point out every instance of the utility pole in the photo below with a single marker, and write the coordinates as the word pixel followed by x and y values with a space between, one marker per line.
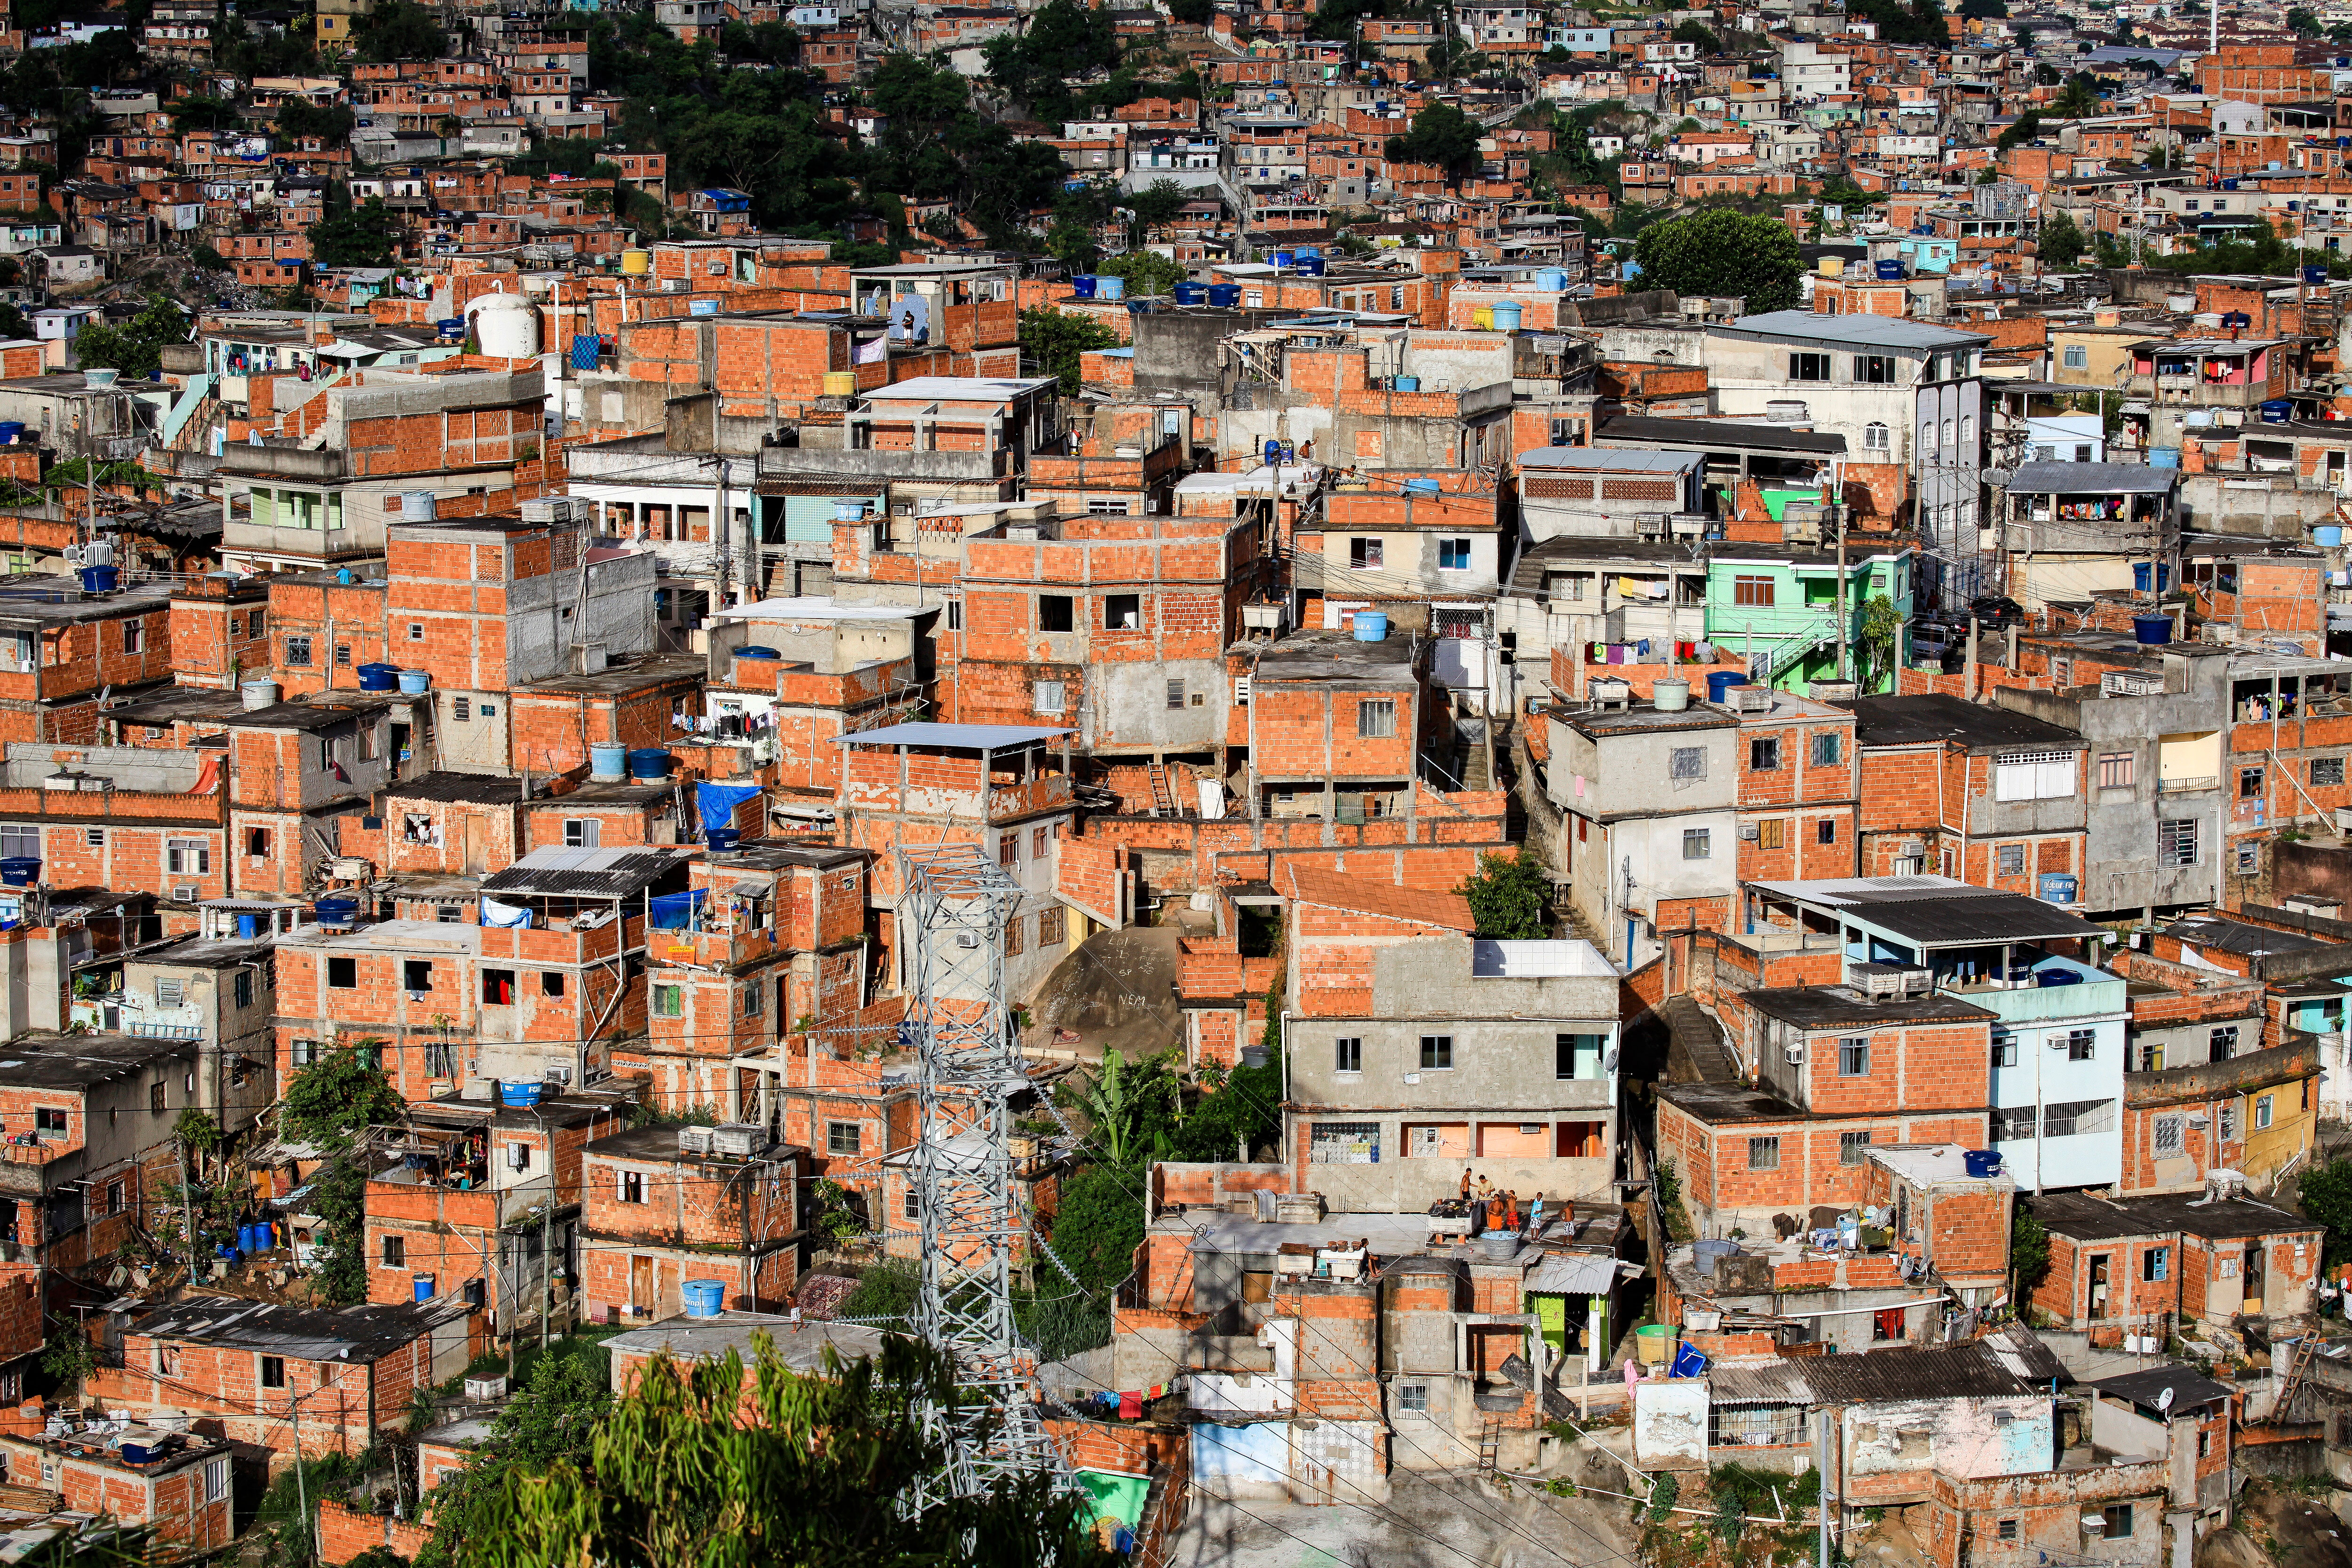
pixel 1822 1446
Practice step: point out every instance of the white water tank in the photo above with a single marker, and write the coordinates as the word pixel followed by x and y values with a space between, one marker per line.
pixel 505 326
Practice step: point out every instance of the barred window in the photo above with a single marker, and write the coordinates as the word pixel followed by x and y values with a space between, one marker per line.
pixel 1763 1153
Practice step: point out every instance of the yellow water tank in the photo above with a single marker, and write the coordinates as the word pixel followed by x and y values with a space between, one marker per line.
pixel 1484 317
pixel 636 262
pixel 841 383
pixel 1832 266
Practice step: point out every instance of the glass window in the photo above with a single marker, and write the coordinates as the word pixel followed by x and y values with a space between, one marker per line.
pixel 1874 437
pixel 1763 754
pixel 2117 769
pixel 1436 1052
pixel 1828 748
pixel 1755 591
pixel 1347 1054
pixel 2223 1042
pixel 2176 841
pixel 1364 555
pixel 1686 762
pixel 1852 1147
pixel 2081 1045
pixel 1454 554
pixel 1809 367
pixel 842 1137
pixel 1699 844
pixel 1376 718
pixel 2077 357
pixel 582 832
pixel 2009 859
pixel 2326 772
pixel 669 1001
pixel 1763 1153
pixel 1873 367
pixel 2156 1264
pixel 1854 1059
pixel 1412 1398
pixel 2264 1106
pixel 2167 1135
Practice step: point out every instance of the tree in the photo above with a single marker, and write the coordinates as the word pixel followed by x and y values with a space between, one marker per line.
pixel 2299 20
pixel 199 113
pixel 1696 32
pixel 399 30
pixel 1098 1226
pixel 700 1464
pixel 1508 896
pixel 2061 241
pixel 2081 97
pixel 552 1416
pixel 1984 10
pixel 360 238
pixel 1148 272
pixel 2326 1194
pixel 905 89
pixel 2022 133
pixel 1154 206
pixel 2029 1254
pixel 299 120
pixel 1193 13
pixel 135 348
pixel 1054 340
pixel 1875 644
pixel 1920 24
pixel 1719 252
pixel 1121 1104
pixel 2045 74
pixel 1441 134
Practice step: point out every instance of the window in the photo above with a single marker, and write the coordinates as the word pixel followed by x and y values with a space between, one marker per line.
pixel 1454 554
pixel 215 1479
pixel 2155 1264
pixel 2176 841
pixel 2264 1106
pixel 2117 769
pixel 1809 367
pixel 273 1372
pixel 2014 1126
pixel 1763 754
pixel 114 1189
pixel 1874 437
pixel 1122 612
pixel 461 709
pixel 1051 926
pixel 498 987
pixel 1347 1054
pixel 1768 834
pixel 416 631
pixel 2007 1530
pixel 241 988
pixel 134 636
pixel 49 1119
pixel 1008 850
pixel 1874 367
pixel 1699 844
pixel 1576 1056
pixel 1829 748
pixel 2327 771
pixel 395 1251
pixel 2009 859
pixel 2076 357
pixel 1852 1147
pixel 2223 1042
pixel 298 651
pixel 2034 776
pixel 2119 1521
pixel 304 1052
pixel 1049 697
pixel 186 857
pixel 1436 1052
pixel 633 1186
pixel 1686 762
pixel 1176 693
pixel 1376 718
pixel 2066 1118
pixel 416 975
pixel 1825 831
pixel 95 837
pixel 155 1095
pixel 2081 1045
pixel 669 1001
pixel 1053 613
pixel 2004 1048
pixel 753 1000
pixel 169 993
pixel 1763 1153
pixel 343 974
pixel 582 832
pixel 843 1137
pixel 1412 1398
pixel 1754 591
pixel 2248 856
pixel 1364 555
pixel 1853 1058
pixel 2167 1135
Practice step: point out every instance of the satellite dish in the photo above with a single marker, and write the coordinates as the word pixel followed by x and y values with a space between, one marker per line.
pixel 1609 1063
pixel 2163 1401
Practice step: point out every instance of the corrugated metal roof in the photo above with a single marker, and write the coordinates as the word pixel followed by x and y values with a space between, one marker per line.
pixel 1770 1381
pixel 976 736
pixel 595 874
pixel 1574 1274
pixel 1949 1371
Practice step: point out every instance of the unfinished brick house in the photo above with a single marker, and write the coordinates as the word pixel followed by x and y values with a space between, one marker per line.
pixel 180 1489
pixel 664 1205
pixel 60 650
pixel 1990 797
pixel 2159 1263
pixel 257 1368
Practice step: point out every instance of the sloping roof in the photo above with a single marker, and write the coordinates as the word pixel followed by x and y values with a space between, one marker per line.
pixel 595 874
pixel 1574 1274
pixel 1337 889
pixel 2093 478
pixel 303 1333
pixel 2147 1387
pixel 1944 1372
pixel 1772 1382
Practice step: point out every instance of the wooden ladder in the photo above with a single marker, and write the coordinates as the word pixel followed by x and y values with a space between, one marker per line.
pixel 2298 1362
pixel 1163 798
pixel 1490 1445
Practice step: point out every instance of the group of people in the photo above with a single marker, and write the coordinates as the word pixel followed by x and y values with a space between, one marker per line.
pixel 1495 1208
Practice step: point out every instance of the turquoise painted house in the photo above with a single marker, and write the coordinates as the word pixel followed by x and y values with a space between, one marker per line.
pixel 1777 607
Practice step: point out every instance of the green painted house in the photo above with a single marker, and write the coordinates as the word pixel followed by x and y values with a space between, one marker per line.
pixel 1777 607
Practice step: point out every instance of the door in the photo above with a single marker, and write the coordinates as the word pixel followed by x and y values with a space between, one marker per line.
pixel 641 1287
pixel 2099 1305
pixel 2256 1282
pixel 476 860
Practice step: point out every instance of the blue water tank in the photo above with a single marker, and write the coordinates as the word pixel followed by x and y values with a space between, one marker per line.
pixel 1083 287
pixel 649 762
pixel 1421 485
pixel 1405 384
pixel 705 1298
pixel 1980 1161
pixel 2237 319
pixel 249 928
pixel 2140 576
pixel 2164 457
pixel 1721 681
pixel 1310 267
pixel 20 870
pixel 379 678
pixel 1110 286
pixel 2058 887
pixel 1283 260
pixel 1224 296
pixel 2277 410
pixel 607 760
pixel 1372 626
pixel 422 1284
pixel 2327 536
pixel 98 578
pixel 1272 453
pixel 336 911
pixel 414 682
pixel 1190 293
pixel 1551 279
pixel 1507 316
pixel 1889 271
pixel 722 840
pixel 522 1093
pixel 2152 631
pixel 757 651
pixel 2318 274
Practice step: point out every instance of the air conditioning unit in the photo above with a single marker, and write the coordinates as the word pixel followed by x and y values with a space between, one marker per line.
pixel 559 1073
pixel 184 892
pixel 1911 849
pixel 1751 832
pixel 1796 1055
pixel 967 939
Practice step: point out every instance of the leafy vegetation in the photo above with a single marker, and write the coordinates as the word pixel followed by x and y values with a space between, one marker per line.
pixel 136 347
pixel 1719 253
pixel 675 1473
pixel 1876 642
pixel 1053 341
pixel 2028 1253
pixel 327 1105
pixel 552 1414
pixel 2326 1195
pixel 1441 134
pixel 1510 897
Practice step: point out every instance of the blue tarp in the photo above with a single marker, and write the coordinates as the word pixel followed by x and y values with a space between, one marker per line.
pixel 718 802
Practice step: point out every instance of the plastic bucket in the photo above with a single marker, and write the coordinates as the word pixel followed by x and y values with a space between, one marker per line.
pixel 423 1285
pixel 1721 681
pixel 705 1298
pixel 1982 1162
pixel 379 678
pixel 608 762
pixel 1506 317
pixel 2152 630
pixel 649 762
pixel 1655 1343
pixel 20 870
pixel 249 926
pixel 416 682
pixel 722 840
pixel 1372 626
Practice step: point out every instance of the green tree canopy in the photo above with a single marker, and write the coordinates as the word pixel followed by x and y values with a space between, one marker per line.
pixel 331 123
pixel 1721 252
pixel 1919 25
pixel 1053 340
pixel 2061 241
pixel 2021 133
pixel 680 1472
pixel 357 239
pixel 135 348
pixel 1697 32
pixel 1510 896
pixel 1148 272
pixel 399 30
pixel 2326 1194
pixel 1441 134
pixel 198 113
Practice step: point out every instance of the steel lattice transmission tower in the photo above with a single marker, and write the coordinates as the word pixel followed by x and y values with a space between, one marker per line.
pixel 953 914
